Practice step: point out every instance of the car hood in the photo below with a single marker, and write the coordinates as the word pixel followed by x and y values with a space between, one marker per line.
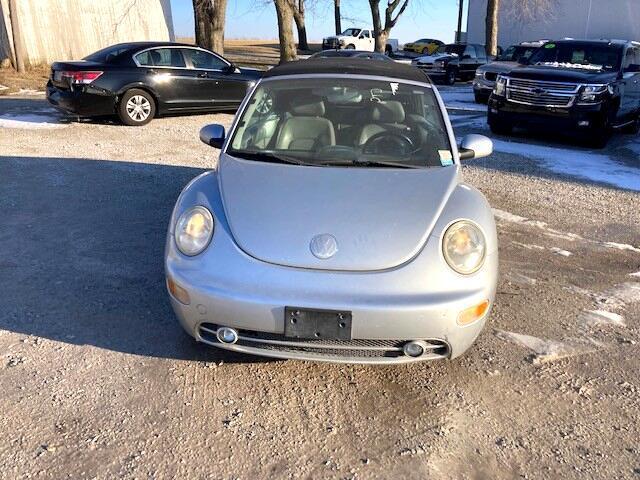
pixel 436 57
pixel 498 67
pixel 250 73
pixel 380 218
pixel 559 74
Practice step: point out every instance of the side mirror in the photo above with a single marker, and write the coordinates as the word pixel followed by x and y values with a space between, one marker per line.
pixel 475 146
pixel 633 68
pixel 212 135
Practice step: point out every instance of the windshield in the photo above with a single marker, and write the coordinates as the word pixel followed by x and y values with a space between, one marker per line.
pixel 586 56
pixel 343 121
pixel 452 49
pixel 516 53
pixel 351 32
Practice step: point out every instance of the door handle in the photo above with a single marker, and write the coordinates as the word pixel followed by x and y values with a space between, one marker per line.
pixel 203 75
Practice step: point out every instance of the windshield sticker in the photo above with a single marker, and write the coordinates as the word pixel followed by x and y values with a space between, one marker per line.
pixel 394 87
pixel 446 158
pixel 550 45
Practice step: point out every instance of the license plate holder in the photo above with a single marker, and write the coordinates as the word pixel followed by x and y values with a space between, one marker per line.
pixel 316 324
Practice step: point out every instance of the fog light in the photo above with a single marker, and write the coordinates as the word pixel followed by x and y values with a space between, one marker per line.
pixel 414 349
pixel 227 335
pixel 473 314
pixel 178 292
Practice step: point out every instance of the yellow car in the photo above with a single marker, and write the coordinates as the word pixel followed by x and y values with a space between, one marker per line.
pixel 426 46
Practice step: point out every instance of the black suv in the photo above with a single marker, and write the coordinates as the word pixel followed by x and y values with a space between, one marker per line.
pixel 456 61
pixel 588 86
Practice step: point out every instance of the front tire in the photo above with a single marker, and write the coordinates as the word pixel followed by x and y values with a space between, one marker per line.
pixel 351 46
pixel 480 98
pixel 499 127
pixel 450 77
pixel 136 108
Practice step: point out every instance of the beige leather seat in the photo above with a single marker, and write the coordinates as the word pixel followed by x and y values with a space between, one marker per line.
pixel 385 117
pixel 306 129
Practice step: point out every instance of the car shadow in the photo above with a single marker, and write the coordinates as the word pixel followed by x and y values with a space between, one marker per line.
pixel 82 255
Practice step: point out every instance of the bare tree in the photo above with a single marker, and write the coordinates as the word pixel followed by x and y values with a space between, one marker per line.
pixel 18 46
pixel 336 14
pixel 284 12
pixel 493 9
pixel 460 12
pixel 380 33
pixel 209 20
pixel 297 7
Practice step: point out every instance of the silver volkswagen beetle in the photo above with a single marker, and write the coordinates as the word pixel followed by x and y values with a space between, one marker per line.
pixel 336 226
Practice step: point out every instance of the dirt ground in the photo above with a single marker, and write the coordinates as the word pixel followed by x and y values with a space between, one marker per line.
pixel 99 380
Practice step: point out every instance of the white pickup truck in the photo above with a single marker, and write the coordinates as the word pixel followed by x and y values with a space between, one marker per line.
pixel 357 39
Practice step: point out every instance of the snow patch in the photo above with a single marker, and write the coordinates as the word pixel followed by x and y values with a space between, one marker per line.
pixel 30 121
pixel 528 247
pixel 637 274
pixel 544 351
pixel 520 278
pixel 3 87
pixel 602 317
pixel 561 252
pixel 28 91
pixel 620 246
pixel 588 165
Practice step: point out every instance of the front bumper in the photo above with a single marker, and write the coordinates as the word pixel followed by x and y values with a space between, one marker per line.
pixel 84 101
pixel 331 45
pixel 483 88
pixel 574 118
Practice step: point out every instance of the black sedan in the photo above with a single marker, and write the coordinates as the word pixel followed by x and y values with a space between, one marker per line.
pixel 139 80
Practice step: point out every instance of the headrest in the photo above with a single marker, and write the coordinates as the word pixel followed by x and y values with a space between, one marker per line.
pixel 307 107
pixel 388 112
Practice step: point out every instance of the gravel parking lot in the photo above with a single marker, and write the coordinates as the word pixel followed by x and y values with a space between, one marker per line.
pixel 99 381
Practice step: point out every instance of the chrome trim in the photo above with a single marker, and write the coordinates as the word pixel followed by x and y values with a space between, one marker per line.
pixel 551 92
pixel 182 47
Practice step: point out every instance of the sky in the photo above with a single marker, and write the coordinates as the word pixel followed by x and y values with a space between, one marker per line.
pixel 256 19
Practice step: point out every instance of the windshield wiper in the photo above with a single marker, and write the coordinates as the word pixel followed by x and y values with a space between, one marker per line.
pixel 268 157
pixel 368 163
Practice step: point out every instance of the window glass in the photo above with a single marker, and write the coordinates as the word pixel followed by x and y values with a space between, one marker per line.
pixel 108 54
pixel 366 34
pixel 205 60
pixel 342 121
pixel 470 51
pixel 161 57
pixel 481 52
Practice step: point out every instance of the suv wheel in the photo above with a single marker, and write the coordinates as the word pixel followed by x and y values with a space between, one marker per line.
pixel 351 46
pixel 450 77
pixel 499 127
pixel 136 107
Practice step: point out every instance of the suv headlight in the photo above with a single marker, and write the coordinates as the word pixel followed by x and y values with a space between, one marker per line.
pixel 501 86
pixel 194 230
pixel 464 247
pixel 593 93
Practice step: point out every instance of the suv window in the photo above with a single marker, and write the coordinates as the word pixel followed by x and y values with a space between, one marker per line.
pixel 366 34
pixel 202 60
pixel 470 51
pixel 161 57
pixel 481 52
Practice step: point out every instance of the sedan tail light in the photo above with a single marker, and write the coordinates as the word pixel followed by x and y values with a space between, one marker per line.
pixel 83 77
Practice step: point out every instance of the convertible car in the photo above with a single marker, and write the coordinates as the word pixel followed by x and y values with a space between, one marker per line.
pixel 336 225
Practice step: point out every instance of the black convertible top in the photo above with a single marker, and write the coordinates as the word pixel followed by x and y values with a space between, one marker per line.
pixel 349 66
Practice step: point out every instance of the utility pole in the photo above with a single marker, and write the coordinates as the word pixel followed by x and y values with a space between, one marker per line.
pixel 336 14
pixel 459 32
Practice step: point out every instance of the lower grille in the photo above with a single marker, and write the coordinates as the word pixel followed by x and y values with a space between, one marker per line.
pixel 337 349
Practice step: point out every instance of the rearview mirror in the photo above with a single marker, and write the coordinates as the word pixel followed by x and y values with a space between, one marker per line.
pixel 212 135
pixel 475 146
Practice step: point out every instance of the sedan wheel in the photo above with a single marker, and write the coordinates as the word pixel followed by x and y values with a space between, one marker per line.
pixel 136 108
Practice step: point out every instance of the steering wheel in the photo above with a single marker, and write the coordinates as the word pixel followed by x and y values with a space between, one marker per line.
pixel 265 105
pixel 388 143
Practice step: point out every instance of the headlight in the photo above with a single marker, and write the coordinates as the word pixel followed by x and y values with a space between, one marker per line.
pixel 593 93
pixel 464 247
pixel 193 231
pixel 501 86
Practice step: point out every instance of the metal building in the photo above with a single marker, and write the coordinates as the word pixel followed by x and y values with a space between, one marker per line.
pixel 70 29
pixel 555 19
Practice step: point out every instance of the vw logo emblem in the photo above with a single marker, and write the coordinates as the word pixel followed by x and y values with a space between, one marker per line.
pixel 323 246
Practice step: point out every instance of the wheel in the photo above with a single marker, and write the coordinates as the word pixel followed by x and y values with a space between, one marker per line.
pixel 499 127
pixel 450 77
pixel 351 46
pixel 388 51
pixel 480 98
pixel 599 136
pixel 136 107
